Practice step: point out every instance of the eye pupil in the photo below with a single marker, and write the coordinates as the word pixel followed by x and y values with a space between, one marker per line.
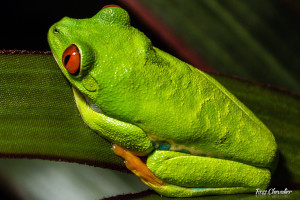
pixel 71 59
pixel 66 60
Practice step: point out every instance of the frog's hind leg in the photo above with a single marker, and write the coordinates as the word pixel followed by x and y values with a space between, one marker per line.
pixel 189 175
pixel 177 174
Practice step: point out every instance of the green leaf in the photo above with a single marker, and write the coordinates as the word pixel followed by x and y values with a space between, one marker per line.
pixel 39 118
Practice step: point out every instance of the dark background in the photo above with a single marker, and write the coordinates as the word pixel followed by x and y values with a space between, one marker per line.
pixel 24 24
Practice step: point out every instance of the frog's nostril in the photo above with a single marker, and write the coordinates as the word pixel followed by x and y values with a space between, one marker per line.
pixel 56 30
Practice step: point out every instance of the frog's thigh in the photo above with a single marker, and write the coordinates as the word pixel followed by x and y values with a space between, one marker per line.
pixel 207 173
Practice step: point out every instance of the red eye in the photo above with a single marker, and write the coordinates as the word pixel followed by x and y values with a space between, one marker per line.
pixel 112 5
pixel 71 59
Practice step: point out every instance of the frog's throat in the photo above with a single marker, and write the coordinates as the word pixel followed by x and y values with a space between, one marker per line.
pixel 80 98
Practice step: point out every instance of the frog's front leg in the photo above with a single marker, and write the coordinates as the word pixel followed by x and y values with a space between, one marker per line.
pixel 177 174
pixel 117 132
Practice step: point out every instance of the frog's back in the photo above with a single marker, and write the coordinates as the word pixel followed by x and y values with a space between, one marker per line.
pixel 201 117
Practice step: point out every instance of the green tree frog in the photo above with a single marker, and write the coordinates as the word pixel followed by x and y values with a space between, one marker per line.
pixel 198 138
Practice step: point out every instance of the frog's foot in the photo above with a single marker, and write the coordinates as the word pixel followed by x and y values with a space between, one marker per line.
pixel 138 167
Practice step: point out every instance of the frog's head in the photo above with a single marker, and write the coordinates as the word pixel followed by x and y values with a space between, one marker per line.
pixel 88 51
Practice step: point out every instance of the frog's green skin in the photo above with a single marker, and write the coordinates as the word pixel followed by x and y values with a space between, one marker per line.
pixel 200 139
